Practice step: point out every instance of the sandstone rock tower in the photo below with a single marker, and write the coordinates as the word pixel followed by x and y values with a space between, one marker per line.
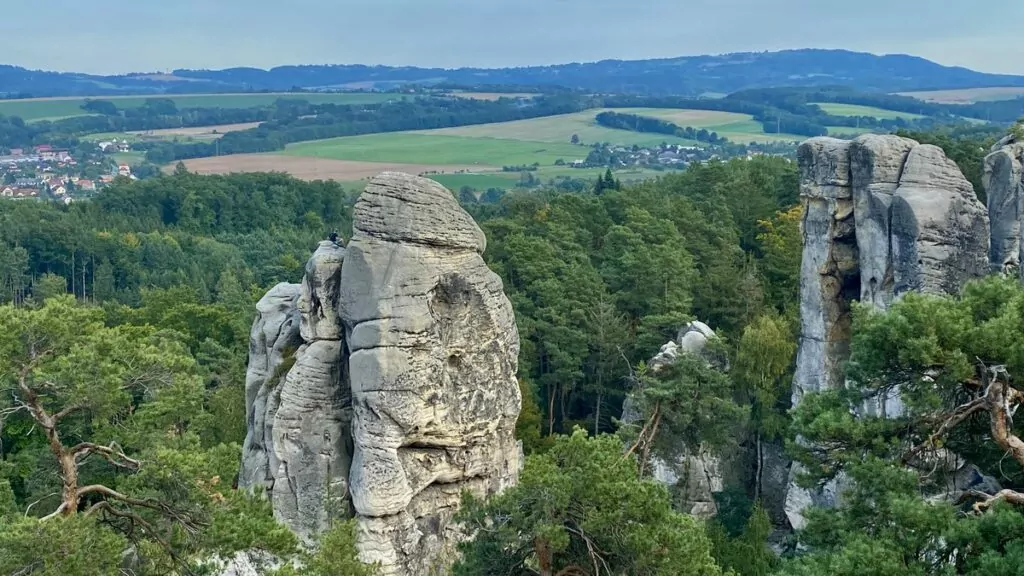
pixel 1004 184
pixel 883 216
pixel 385 384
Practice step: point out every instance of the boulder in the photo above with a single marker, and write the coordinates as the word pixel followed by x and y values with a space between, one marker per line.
pixel 318 304
pixel 696 476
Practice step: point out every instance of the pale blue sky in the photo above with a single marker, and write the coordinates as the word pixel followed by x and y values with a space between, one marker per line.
pixel 113 36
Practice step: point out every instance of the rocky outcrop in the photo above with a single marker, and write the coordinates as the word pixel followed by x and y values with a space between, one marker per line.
pixel 400 390
pixel 876 164
pixel 696 477
pixel 829 271
pixel 433 358
pixel 883 216
pixel 940 231
pixel 311 428
pixel 273 342
pixel 1003 179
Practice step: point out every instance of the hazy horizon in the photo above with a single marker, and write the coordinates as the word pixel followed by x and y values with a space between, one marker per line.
pixel 151 36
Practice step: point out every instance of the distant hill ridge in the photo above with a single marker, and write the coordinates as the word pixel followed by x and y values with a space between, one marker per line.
pixel 686 76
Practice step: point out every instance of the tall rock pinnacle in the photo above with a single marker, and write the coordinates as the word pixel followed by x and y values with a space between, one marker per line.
pixel 403 390
pixel 883 216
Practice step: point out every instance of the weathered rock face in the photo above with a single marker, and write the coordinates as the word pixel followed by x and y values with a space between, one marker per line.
pixel 311 427
pixel 433 359
pixel 940 231
pixel 829 271
pixel 876 165
pixel 883 216
pixel 403 391
pixel 272 342
pixel 1004 185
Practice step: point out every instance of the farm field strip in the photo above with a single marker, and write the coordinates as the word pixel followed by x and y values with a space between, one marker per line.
pixel 856 110
pixel 967 95
pixel 558 129
pixel 738 128
pixel 491 96
pixel 307 168
pixel 419 148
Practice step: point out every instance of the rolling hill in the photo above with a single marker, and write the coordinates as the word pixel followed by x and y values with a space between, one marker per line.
pixel 688 75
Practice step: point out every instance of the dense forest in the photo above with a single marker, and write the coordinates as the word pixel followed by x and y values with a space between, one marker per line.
pixel 124 333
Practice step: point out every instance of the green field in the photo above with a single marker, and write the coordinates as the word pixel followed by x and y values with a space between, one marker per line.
pixel 129 158
pixel 415 148
pixel 455 182
pixel 968 95
pixel 738 128
pixel 855 110
pixel 36 109
pixel 560 129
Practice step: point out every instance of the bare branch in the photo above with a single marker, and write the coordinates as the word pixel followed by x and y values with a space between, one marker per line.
pixel 50 495
pixel 67 411
pixel 110 453
pixel 1011 496
pixel 55 513
pixel 951 420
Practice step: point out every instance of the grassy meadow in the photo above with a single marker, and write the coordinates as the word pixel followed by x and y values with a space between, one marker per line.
pixel 968 95
pixel 740 128
pixel 856 110
pixel 419 148
pixel 37 109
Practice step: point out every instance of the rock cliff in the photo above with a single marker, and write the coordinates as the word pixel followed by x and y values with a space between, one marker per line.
pixel 1004 185
pixel 883 216
pixel 385 384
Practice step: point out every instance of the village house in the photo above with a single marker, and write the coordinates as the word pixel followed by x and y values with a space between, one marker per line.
pixel 124 170
pixel 25 193
pixel 86 185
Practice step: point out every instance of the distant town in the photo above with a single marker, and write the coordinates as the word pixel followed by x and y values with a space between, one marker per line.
pixel 48 172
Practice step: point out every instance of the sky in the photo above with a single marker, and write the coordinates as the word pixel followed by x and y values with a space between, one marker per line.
pixel 118 36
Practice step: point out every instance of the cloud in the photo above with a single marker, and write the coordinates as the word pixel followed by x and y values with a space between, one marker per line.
pixel 133 35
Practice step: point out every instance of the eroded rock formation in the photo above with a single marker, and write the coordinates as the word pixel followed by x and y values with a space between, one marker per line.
pixel 883 216
pixel 697 476
pixel 402 389
pixel 1004 185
